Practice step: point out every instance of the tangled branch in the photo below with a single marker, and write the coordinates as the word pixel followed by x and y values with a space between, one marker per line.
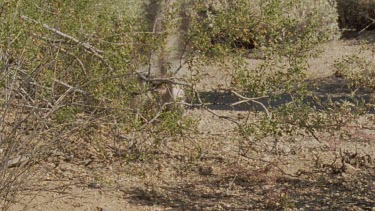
pixel 95 51
pixel 254 100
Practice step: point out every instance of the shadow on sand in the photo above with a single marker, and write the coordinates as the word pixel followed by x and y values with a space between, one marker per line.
pixel 330 88
pixel 261 193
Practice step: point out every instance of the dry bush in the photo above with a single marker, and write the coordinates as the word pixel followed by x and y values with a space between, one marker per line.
pixel 26 136
pixel 288 33
pixel 284 33
pixel 261 23
pixel 62 79
pixel 358 71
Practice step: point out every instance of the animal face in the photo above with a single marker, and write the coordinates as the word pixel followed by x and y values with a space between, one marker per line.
pixel 171 94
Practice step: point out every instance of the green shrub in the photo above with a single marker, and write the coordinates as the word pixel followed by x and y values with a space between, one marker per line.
pixel 263 23
pixel 61 67
pixel 358 71
pixel 284 33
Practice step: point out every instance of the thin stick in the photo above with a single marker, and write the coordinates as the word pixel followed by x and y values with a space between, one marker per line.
pixel 212 112
pixel 70 87
pixel 246 99
pixel 85 45
pixel 368 26
pixel 162 80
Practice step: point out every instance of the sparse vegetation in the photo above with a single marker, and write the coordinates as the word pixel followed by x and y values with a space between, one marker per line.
pixel 80 101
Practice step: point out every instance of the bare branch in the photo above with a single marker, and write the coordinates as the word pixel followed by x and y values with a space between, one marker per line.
pixel 212 112
pixel 70 87
pixel 274 164
pixel 88 46
pixel 246 99
pixel 368 26
pixel 157 115
pixel 96 52
pixel 79 61
pixel 162 80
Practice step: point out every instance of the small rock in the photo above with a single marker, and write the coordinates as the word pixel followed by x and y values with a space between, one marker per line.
pixel 226 205
pixel 266 158
pixel 18 161
pixel 349 169
pixel 205 170
pixel 95 185
pixel 106 208
pixel 286 149
pixel 68 158
pixel 58 171
pixel 267 187
pixel 67 174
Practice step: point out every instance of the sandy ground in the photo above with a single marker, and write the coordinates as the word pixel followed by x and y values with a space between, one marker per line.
pixel 204 171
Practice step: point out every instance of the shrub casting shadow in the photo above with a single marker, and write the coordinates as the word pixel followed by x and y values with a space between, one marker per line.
pixel 330 88
pixel 365 36
pixel 329 191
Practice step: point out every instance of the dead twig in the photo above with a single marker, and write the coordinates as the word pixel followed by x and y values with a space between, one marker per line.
pixel 157 115
pixel 212 112
pixel 79 61
pixel 88 46
pixel 71 87
pixel 270 163
pixel 95 51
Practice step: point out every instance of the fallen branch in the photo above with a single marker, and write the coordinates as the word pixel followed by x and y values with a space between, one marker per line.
pixel 270 164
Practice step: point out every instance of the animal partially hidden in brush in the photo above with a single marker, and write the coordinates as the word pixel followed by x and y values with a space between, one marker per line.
pixel 164 96
pixel 172 96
